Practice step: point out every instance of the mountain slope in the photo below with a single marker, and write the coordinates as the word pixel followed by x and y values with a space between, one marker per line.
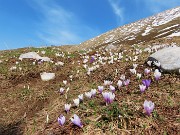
pixel 148 29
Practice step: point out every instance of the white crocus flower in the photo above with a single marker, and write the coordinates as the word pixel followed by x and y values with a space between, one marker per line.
pixel 76 102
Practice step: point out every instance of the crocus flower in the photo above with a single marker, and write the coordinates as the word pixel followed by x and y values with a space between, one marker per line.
pixel 92 60
pixel 133 71
pixel 112 88
pixel 88 94
pixel 138 75
pixel 65 82
pixel 157 74
pixel 100 89
pixel 123 77
pixel 119 83
pixel 108 97
pixel 146 82
pixel 61 120
pixel 126 82
pixel 76 121
pixel 93 92
pixel 67 107
pixel 147 71
pixel 61 90
pixel 76 102
pixel 80 97
pixel 148 107
pixel 142 88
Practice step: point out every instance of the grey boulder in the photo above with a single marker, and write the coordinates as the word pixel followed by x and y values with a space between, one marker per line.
pixel 167 59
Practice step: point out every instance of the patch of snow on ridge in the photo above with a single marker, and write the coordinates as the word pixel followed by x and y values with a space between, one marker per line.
pixel 109 38
pixel 147 30
pixel 132 38
pixel 170 27
pixel 163 33
pixel 177 34
pixel 33 55
pixel 165 17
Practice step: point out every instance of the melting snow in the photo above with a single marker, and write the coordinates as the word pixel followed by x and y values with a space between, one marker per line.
pixel 165 17
pixel 175 34
pixel 170 27
pixel 147 30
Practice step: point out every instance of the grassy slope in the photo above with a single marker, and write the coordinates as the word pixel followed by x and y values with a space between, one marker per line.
pixel 23 110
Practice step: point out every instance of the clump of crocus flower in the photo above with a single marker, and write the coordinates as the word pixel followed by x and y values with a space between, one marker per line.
pixel 108 97
pixel 67 107
pixel 148 107
pixel 146 82
pixel 61 120
pixel 100 89
pixel 157 74
pixel 142 88
pixel 77 121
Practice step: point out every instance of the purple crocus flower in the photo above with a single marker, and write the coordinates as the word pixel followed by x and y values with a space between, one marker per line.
pixel 146 82
pixel 67 107
pixel 61 120
pixel 126 82
pixel 157 74
pixel 148 107
pixel 112 88
pixel 142 88
pixel 76 121
pixel 147 71
pixel 100 89
pixel 92 60
pixel 108 97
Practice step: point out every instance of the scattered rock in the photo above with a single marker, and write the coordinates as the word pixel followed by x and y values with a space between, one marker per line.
pixel 47 76
pixel 168 59
pixel 33 55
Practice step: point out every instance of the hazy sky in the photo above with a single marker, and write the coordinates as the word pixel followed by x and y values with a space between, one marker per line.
pixel 56 22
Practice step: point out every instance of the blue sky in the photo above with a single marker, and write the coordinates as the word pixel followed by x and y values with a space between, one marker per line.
pixel 56 22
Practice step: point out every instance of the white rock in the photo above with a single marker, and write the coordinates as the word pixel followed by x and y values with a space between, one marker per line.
pixel 33 55
pixel 169 59
pixel 47 76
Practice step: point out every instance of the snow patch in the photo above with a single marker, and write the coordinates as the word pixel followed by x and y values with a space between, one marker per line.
pixel 147 30
pixel 177 34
